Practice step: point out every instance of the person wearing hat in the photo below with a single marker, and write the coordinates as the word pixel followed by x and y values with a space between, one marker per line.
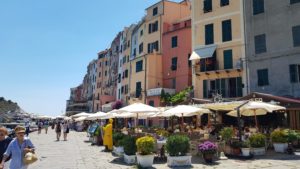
pixel 17 148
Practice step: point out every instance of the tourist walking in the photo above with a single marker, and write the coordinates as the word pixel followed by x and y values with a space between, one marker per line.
pixel 65 130
pixel 46 125
pixel 4 142
pixel 58 128
pixel 27 126
pixel 17 148
pixel 40 125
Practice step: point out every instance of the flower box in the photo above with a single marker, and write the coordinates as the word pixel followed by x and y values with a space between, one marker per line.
pixel 145 160
pixel 129 159
pixel 177 161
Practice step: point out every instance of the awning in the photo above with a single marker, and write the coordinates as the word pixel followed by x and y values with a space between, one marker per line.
pixel 203 52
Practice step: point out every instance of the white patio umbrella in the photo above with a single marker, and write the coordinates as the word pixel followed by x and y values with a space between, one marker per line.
pixel 82 118
pixel 256 109
pixel 184 111
pixel 82 114
pixel 60 117
pixel 67 118
pixel 139 109
pixel 96 116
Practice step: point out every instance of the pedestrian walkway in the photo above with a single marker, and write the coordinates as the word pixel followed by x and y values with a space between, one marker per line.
pixel 78 154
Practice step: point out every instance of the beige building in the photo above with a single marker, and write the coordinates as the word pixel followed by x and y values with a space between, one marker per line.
pixel 146 75
pixel 218 46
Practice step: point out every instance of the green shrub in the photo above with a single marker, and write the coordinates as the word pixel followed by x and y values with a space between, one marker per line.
pixel 257 140
pixel 145 145
pixel 117 137
pixel 245 144
pixel 292 135
pixel 178 145
pixel 279 136
pixel 236 144
pixel 162 132
pixel 226 134
pixel 128 143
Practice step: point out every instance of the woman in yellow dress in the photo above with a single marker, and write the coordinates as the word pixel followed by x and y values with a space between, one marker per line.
pixel 107 138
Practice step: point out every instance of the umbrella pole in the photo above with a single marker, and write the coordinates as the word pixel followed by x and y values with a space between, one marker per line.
pixel 182 122
pixel 256 122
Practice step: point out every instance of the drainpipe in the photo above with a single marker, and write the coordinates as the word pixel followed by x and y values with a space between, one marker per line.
pixel 145 85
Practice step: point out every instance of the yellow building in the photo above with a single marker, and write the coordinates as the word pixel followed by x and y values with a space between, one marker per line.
pixel 218 45
pixel 146 80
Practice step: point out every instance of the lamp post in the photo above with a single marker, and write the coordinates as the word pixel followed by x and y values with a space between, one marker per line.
pixel 239 119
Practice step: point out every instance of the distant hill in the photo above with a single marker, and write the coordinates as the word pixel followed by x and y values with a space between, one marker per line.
pixel 9 110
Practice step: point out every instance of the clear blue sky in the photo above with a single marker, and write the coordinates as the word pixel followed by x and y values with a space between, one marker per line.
pixel 45 46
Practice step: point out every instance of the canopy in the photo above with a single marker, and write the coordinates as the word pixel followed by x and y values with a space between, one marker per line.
pixel 204 52
pixel 60 117
pixel 82 118
pixel 96 116
pixel 184 111
pixel 83 114
pixel 225 106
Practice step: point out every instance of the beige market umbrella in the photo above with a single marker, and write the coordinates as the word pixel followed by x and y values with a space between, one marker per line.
pixel 96 116
pixel 82 114
pixel 82 118
pixel 255 109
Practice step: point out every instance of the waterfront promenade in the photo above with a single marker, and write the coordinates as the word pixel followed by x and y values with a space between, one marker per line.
pixel 78 154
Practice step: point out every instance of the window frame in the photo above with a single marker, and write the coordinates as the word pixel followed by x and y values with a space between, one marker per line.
pixel 226 26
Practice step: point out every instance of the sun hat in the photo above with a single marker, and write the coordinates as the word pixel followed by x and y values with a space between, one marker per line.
pixel 19 129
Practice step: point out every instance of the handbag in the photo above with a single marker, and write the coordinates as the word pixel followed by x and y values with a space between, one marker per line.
pixel 29 157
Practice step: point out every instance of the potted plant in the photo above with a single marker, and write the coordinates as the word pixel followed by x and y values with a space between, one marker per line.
pixel 145 147
pixel 245 147
pixel 280 140
pixel 208 150
pixel 227 134
pixel 258 143
pixel 118 148
pixel 236 147
pixel 129 145
pixel 177 147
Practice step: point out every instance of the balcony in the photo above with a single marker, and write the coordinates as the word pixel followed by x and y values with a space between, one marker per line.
pixel 212 65
pixel 157 91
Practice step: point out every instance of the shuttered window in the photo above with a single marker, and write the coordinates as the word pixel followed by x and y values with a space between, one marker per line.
pixel 209 34
pixel 258 6
pixel 139 66
pixel 207 6
pixel 174 63
pixel 205 95
pixel 295 73
pixel 296 35
pixel 260 44
pixel 174 42
pixel 226 31
pixel 228 59
pixel 262 77
pixel 294 1
pixel 138 89
pixel 224 2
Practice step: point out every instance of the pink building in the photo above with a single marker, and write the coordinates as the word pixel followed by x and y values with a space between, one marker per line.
pixel 177 39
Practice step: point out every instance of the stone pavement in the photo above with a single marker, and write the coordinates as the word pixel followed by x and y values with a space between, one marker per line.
pixel 76 153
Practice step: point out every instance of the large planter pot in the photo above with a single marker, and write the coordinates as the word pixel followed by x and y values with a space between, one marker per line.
pixel 208 158
pixel 118 150
pixel 246 151
pixel 145 160
pixel 280 147
pixel 258 151
pixel 227 149
pixel 236 151
pixel 129 159
pixel 176 161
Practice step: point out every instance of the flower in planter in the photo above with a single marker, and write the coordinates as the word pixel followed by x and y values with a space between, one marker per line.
pixel 208 147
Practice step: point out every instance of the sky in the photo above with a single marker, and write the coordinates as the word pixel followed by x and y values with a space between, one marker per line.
pixel 45 46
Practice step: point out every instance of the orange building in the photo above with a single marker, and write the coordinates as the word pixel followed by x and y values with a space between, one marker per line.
pixel 177 47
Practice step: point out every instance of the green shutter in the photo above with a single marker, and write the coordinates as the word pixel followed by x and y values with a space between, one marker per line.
pixel 205 89
pixel 227 59
pixel 293 73
pixel 239 87
pixel 223 88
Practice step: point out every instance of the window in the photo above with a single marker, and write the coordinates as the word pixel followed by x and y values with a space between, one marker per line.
pixel 105 73
pixel 128 58
pixel 226 31
pixel 154 12
pixel 141 33
pixel 174 63
pixel 227 87
pixel 100 64
pixel 207 6
pixel 138 89
pixel 139 66
pixel 224 2
pixel 105 63
pixel 294 1
pixel 128 44
pixel 122 89
pixel 151 103
pixel 209 34
pixel 258 6
pixel 124 59
pixel 174 42
pixel 296 35
pixel 134 52
pixel 152 46
pixel 141 48
pixel 295 73
pixel 119 94
pixel 99 74
pixel 119 78
pixel 153 27
pixel 174 83
pixel 262 77
pixel 227 59
pixel 126 89
pixel 260 44
pixel 126 73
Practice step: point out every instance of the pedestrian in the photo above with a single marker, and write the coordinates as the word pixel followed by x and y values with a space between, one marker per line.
pixel 40 125
pixel 17 148
pixel 46 125
pixel 65 130
pixel 58 128
pixel 4 142
pixel 107 137
pixel 27 126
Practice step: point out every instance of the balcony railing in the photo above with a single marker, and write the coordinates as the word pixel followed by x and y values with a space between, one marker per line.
pixel 157 91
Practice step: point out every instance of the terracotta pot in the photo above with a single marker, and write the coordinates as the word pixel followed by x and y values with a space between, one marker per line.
pixel 208 158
